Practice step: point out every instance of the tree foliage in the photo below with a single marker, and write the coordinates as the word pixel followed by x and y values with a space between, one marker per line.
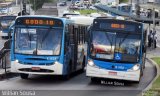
pixel 123 1
pixel 37 4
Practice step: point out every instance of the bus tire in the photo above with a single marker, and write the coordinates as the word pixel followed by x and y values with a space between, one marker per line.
pixel 68 75
pixel 144 62
pixel 155 46
pixel 141 72
pixel 83 64
pixel 3 37
pixel 144 66
pixel 137 82
pixel 94 80
pixel 24 76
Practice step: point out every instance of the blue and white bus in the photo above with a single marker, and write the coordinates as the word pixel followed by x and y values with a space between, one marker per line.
pixel 46 45
pixel 5 23
pixel 125 8
pixel 116 50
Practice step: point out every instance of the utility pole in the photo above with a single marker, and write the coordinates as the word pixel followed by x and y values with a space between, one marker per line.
pixel 16 2
pixel 34 7
pixel 137 9
pixel 21 7
pixel 24 6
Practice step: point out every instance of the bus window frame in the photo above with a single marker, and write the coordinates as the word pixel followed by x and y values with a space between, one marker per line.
pixel 109 60
pixel 30 26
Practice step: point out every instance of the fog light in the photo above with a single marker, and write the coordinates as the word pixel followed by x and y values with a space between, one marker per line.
pixel 90 62
pixel 17 61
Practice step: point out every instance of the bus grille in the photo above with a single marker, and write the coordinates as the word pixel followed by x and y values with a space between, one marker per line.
pixel 30 70
pixel 26 63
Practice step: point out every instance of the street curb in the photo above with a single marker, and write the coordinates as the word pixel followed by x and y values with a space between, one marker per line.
pixel 157 74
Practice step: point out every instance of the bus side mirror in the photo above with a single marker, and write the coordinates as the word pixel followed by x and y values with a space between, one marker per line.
pixel 7 44
pixel 88 33
pixel 10 33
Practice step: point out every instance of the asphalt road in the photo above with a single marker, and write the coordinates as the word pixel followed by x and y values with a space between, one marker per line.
pixel 79 85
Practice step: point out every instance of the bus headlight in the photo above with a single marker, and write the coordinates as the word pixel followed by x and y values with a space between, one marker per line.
pixel 17 61
pixel 56 62
pixel 90 62
pixel 135 67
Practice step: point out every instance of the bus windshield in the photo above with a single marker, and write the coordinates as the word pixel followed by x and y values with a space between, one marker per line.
pixel 38 41
pixel 5 23
pixel 106 44
pixel 126 8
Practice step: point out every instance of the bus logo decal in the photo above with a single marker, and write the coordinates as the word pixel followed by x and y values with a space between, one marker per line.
pixel 118 56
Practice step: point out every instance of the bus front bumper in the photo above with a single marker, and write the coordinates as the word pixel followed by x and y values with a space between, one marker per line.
pixel 55 69
pixel 92 71
pixel 3 34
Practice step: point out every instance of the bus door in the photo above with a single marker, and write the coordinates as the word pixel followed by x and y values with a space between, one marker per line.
pixel 144 47
pixel 81 42
pixel 73 44
pixel 77 42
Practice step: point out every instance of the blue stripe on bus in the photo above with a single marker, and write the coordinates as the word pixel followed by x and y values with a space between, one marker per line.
pixel 113 66
pixel 5 30
pixel 26 59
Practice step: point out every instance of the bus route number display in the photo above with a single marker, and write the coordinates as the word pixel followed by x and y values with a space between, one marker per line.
pixel 39 22
pixel 121 26
pixel 33 21
pixel 116 26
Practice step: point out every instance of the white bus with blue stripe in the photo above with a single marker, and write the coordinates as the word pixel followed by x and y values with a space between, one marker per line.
pixel 116 50
pixel 46 45
pixel 5 23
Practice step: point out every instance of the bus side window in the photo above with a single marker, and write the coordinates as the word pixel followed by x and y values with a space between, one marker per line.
pixel 66 39
pixel 71 34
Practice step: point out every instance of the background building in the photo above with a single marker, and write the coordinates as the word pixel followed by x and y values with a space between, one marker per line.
pixel 145 1
pixel 110 2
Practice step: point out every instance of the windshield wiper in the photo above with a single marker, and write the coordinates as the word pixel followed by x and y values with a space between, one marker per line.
pixel 121 41
pixel 29 36
pixel 46 35
pixel 110 41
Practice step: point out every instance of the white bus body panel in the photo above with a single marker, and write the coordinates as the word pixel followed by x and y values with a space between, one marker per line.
pixel 57 68
pixel 104 73
pixel 3 34
pixel 82 20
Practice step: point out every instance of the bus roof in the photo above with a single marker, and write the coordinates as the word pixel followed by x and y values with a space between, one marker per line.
pixel 45 16
pixel 40 16
pixel 110 19
pixel 7 15
pixel 82 20
pixel 123 4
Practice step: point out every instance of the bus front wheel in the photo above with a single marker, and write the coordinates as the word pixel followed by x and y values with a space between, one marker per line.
pixel 94 80
pixel 24 76
pixel 155 44
pixel 84 63
pixel 69 71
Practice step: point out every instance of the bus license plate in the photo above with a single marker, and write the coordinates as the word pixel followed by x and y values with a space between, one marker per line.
pixel 112 73
pixel 36 68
